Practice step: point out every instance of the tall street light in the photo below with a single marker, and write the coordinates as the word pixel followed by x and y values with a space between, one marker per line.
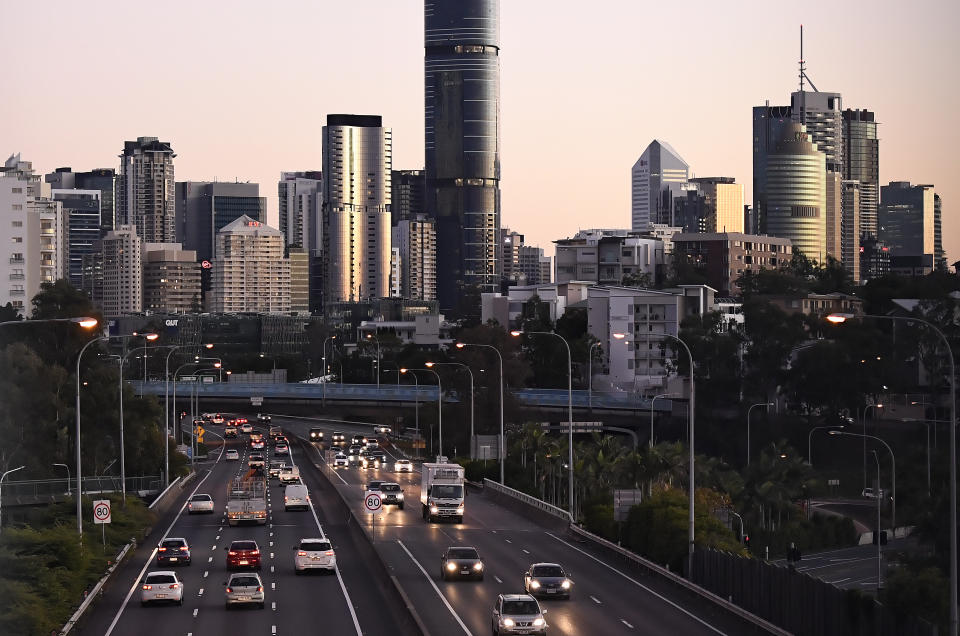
pixel 217 363
pixel 502 450
pixel 810 440
pixel 692 423
pixel 655 398
pixel 77 434
pixel 749 410
pixel 954 608
pixel 416 405
pixel 569 404
pixel 2 477
pixel 590 374
pixel 166 407
pixel 123 462
pixel 69 490
pixel 84 321
pixel 370 336
pixel 863 425
pixel 893 463
pixel 876 458
pixel 460 364
pixel 439 403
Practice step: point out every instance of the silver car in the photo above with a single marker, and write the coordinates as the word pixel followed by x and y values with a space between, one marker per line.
pixel 245 589
pixel 547 579
pixel 161 587
pixel 200 503
pixel 518 614
pixel 315 554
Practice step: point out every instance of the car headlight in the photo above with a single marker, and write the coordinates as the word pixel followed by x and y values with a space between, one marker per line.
pixel 433 509
pixel 535 584
pixel 565 585
pixel 538 622
pixel 508 622
pixel 478 566
pixel 399 495
pixel 452 567
pixel 460 510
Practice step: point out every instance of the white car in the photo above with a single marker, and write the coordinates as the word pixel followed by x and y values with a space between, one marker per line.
pixel 245 589
pixel 232 455
pixel 246 428
pixel 403 466
pixel 162 586
pixel 340 461
pixel 315 554
pixel 383 429
pixel 200 503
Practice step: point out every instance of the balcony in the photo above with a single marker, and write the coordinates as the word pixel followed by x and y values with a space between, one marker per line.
pixel 17 292
pixel 17 277
pixel 16 259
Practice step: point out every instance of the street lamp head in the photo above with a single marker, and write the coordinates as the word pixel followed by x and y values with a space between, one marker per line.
pixel 229 372
pixel 369 336
pixel 619 336
pixel 783 455
pixel 515 333
pixel 261 355
pixel 835 432
pixel 460 345
pixel 404 370
pixel 85 321
pixel 429 365
pixel 839 318
pixel 217 365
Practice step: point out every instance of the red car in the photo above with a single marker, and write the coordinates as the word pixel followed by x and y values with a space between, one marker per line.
pixel 244 554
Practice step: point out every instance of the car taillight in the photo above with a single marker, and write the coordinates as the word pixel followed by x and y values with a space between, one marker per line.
pixel 174 586
pixel 229 590
pixel 231 553
pixel 301 553
pixel 259 588
pixel 148 587
pixel 255 553
pixel 329 553
pixel 161 550
pixel 285 498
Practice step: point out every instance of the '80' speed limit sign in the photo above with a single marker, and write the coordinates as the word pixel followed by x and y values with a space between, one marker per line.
pixel 101 511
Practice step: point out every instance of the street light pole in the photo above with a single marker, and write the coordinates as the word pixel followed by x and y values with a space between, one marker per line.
pixel 863 425
pixel 748 425
pixel 166 407
pixel 439 404
pixel 569 406
pixel 810 437
pixel 416 405
pixel 655 397
pixel 77 434
pixel 2 477
pixel 460 364
pixel 502 452
pixel 893 464
pixel 879 550
pixel 590 374
pixel 377 340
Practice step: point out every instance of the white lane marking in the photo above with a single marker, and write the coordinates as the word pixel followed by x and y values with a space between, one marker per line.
pixel 499 580
pixel 626 623
pixel 273 606
pixel 273 586
pixel 271 545
pixel 838 581
pixel 195 612
pixel 209 559
pixel 638 584
pixel 271 569
pixel 336 568
pixel 435 588
pixel 214 547
pixel 201 592
pixel 596 600
pixel 206 573
pixel 136 582
pixel 273 629
pixel 271 555
pixel 526 551
pixel 218 537
pixel 508 540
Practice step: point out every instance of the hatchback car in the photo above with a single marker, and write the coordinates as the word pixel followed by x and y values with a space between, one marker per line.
pixel 246 428
pixel 244 589
pixel 244 553
pixel 358 440
pixel 340 461
pixel 461 562
pixel 518 614
pixel 403 466
pixel 314 554
pixel 281 449
pixel 173 551
pixel 257 444
pixel 547 579
pixel 256 460
pixel 391 495
pixel 161 587
pixel 217 419
pixel 200 503
pixel 338 438
pixel 232 455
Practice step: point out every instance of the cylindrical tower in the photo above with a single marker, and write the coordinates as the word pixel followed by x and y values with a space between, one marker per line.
pixel 797 193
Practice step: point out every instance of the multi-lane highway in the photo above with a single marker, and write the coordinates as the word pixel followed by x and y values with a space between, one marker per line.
pixel 352 601
pixel 606 598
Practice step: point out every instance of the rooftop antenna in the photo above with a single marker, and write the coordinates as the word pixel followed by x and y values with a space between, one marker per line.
pixel 804 76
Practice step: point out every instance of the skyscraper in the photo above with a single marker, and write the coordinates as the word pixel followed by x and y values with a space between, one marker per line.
pixel 861 161
pixel 408 195
pixel 113 272
pixel 822 114
pixel 710 204
pixel 906 219
pixel 102 179
pixel 850 229
pixel 769 123
pixel 462 144
pixel 300 206
pixel 416 243
pixel 171 279
pixel 145 189
pixel 81 216
pixel 656 181
pixel 250 273
pixel 833 216
pixel 796 193
pixel 203 208
pixel 357 161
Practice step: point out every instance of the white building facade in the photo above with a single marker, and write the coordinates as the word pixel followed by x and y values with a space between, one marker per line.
pixel 250 273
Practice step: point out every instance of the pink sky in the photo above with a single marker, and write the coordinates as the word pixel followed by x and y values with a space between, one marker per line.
pixel 241 89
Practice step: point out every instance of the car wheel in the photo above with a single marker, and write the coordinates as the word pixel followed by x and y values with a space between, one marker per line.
pixel 261 605
pixel 226 606
pixel 180 602
pixel 443 574
pixel 297 572
pixel 480 578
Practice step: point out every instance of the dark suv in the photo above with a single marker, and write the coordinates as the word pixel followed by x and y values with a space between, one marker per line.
pixel 173 551
pixel 461 562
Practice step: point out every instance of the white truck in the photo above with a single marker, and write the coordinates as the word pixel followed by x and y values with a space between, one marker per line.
pixel 442 491
pixel 247 500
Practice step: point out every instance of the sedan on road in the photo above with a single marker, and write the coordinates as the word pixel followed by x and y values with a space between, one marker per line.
pixel 200 503
pixel 245 589
pixel 316 434
pixel 256 460
pixel 275 468
pixel 403 466
pixel 386 430
pixel 338 439
pixel 281 449
pixel 232 455
pixel 314 554
pixel 246 428
pixel 461 562
pixel 244 553
pixel 173 550
pixel 547 579
pixel 162 586
pixel 518 614
pixel 340 461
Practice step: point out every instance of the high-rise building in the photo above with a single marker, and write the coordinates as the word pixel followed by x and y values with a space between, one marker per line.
pixel 408 194
pixel 850 229
pixel 723 257
pixel 795 200
pixel 833 215
pixel 33 231
pixel 522 263
pixel 113 272
pixel 102 179
pixel 906 219
pixel 939 255
pixel 145 189
pixel 203 208
pixel 710 204
pixel 462 144
pixel 656 181
pixel 822 114
pixel 300 205
pixel 357 160
pixel 416 243
pixel 171 279
pixel 861 161
pixel 396 273
pixel 250 273
pixel 81 215
pixel 874 258
pixel 299 280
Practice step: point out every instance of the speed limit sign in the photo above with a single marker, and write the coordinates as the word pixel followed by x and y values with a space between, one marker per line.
pixel 101 511
pixel 372 502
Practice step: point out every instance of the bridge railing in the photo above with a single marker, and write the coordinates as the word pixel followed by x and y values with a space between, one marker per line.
pixel 529 500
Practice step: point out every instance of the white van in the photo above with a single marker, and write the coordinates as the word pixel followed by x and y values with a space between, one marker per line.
pixel 295 496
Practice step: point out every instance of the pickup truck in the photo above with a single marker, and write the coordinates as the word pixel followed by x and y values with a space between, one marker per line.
pixel 247 499
pixel 289 475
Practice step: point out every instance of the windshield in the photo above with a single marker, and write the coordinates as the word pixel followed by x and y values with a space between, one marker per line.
pixel 514 608
pixel 161 578
pixel 462 553
pixel 548 571
pixel 443 491
pixel 390 488
pixel 315 546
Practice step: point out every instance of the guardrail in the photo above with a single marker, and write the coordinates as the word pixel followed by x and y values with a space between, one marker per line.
pixel 46 490
pixel 71 623
pixel 529 500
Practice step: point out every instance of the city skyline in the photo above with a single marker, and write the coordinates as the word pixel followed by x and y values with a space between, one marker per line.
pixel 597 128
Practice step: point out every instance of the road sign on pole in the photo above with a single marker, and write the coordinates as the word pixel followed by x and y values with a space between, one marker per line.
pixel 256 400
pixel 623 501
pixel 372 504
pixel 101 511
